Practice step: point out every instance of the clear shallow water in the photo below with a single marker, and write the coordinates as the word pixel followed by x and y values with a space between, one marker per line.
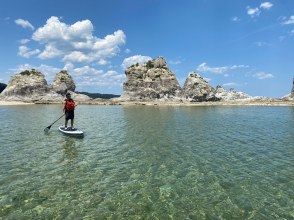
pixel 148 162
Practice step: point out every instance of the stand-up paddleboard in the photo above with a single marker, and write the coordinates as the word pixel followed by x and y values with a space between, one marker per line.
pixel 71 132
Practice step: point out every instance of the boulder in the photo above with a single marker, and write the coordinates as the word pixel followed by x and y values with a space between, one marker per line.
pixel 150 81
pixel 26 83
pixel 197 89
pixel 227 95
pixel 63 82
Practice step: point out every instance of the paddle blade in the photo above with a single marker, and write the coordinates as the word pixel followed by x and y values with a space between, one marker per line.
pixel 46 130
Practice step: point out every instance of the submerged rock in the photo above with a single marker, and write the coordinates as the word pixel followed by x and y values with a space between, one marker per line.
pixel 149 81
pixel 26 83
pixel 63 82
pixel 197 89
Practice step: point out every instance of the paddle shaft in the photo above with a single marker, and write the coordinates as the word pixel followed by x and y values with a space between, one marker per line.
pixel 56 120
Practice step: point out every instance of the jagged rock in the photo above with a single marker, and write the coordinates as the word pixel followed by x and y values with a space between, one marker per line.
pixel 149 81
pixel 31 86
pixel 2 87
pixel 63 82
pixel 26 83
pixel 227 95
pixel 197 89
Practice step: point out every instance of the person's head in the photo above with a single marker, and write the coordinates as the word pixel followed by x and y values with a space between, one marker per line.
pixel 68 95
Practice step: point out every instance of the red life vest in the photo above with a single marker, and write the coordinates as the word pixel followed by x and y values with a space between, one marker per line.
pixel 69 105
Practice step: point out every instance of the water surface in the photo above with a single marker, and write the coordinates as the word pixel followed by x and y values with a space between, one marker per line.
pixel 148 162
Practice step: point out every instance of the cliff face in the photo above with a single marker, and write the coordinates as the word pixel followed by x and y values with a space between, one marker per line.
pixel 63 82
pixel 26 83
pixel 152 80
pixel 197 89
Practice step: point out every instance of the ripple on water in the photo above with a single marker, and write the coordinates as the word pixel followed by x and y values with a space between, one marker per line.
pixel 148 162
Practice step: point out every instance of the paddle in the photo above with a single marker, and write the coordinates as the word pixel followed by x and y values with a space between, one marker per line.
pixel 48 128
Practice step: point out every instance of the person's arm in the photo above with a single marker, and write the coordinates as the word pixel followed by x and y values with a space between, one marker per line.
pixel 64 104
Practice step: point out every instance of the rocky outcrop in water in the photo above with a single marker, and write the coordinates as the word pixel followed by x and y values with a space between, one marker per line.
pixel 197 89
pixel 149 81
pixel 31 86
pixel 2 86
pixel 26 83
pixel 63 82
pixel 228 95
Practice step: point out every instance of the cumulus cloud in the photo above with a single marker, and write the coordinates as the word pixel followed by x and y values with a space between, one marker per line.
pixel 134 59
pixel 253 12
pixel 266 5
pixel 263 75
pixel 76 43
pixel 24 41
pixel 26 52
pixel 203 67
pixel 48 71
pixel 24 23
pixel 288 21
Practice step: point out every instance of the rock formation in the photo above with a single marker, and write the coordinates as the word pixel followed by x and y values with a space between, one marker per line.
pixel 31 86
pixel 2 87
pixel 227 95
pixel 63 82
pixel 197 89
pixel 149 81
pixel 26 83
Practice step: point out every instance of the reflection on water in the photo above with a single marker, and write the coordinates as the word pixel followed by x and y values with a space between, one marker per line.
pixel 148 162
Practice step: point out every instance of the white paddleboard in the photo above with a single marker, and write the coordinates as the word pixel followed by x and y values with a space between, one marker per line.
pixel 71 132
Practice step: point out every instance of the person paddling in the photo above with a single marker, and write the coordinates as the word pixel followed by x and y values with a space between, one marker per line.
pixel 69 110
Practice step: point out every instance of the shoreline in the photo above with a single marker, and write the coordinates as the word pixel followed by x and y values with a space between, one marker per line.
pixel 161 103
pixel 9 103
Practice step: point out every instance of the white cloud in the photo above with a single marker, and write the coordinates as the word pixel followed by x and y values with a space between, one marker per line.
pixel 134 59
pixel 266 5
pixel 235 19
pixel 24 23
pixel 26 52
pixel 175 62
pixel 253 12
pixel 263 75
pixel 48 71
pixel 86 70
pixel 127 50
pixel 24 41
pixel 230 84
pixel 103 62
pixel 203 67
pixel 76 42
pixel 50 51
pixel 289 21
pixel 261 43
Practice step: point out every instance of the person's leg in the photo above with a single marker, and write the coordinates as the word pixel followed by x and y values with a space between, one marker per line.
pixel 66 121
pixel 72 123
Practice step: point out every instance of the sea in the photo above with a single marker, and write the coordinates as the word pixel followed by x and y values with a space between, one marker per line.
pixel 148 162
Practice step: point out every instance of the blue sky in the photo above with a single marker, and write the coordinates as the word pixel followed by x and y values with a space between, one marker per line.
pixel 244 44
